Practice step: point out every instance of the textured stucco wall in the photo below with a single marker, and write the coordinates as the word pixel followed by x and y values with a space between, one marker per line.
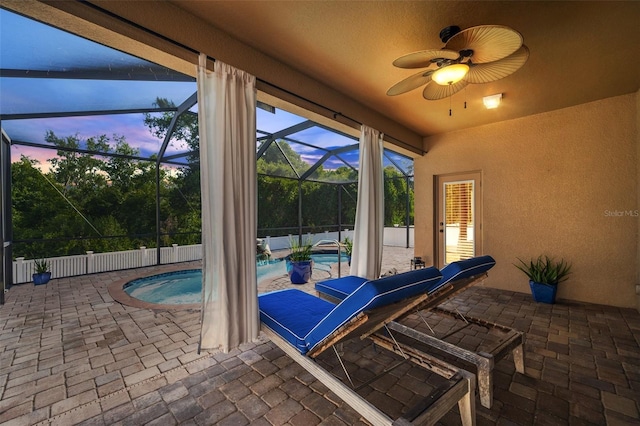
pixel 563 183
pixel 638 197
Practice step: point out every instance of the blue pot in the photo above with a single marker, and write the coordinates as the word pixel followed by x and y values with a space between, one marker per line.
pixel 545 293
pixel 42 278
pixel 300 272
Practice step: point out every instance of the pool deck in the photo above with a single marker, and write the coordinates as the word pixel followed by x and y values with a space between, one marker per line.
pixel 72 354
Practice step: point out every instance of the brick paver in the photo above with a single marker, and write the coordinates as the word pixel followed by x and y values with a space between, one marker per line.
pixel 69 354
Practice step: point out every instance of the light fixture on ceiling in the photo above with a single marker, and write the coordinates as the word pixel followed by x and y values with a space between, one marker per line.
pixel 492 101
pixel 490 52
pixel 451 74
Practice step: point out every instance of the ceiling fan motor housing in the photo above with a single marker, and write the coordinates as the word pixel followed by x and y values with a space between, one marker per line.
pixel 448 32
pixel 466 53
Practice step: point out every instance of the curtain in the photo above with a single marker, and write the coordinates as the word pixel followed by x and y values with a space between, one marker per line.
pixel 366 258
pixel 227 126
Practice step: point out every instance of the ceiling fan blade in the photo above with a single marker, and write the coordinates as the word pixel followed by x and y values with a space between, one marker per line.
pixel 488 42
pixel 433 91
pixel 411 83
pixel 485 73
pixel 424 58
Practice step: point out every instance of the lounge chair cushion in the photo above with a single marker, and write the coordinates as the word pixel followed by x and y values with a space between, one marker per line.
pixel 467 268
pixel 306 320
pixel 342 287
pixel 292 314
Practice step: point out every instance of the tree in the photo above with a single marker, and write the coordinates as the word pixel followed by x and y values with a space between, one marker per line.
pixel 395 197
pixel 277 205
pixel 180 201
pixel 104 200
pixel 186 128
pixel 280 159
pixel 123 171
pixel 33 200
pixel 76 171
pixel 91 196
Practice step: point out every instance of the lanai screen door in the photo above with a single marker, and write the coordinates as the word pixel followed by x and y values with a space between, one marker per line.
pixel 458 217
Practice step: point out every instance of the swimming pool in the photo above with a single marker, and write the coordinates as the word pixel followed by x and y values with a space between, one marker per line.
pixel 163 288
pixel 185 287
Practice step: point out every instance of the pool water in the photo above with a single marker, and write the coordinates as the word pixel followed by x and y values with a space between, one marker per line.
pixel 184 287
pixel 173 288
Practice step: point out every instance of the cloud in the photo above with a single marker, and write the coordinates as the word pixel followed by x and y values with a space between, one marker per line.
pixel 129 125
pixel 39 154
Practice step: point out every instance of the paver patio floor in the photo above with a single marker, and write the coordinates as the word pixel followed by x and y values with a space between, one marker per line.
pixel 70 354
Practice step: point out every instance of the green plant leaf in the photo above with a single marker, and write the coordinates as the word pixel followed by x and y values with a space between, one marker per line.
pixel 300 252
pixel 545 270
pixel 41 266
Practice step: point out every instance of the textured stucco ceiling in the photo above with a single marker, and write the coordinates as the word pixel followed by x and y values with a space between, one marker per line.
pixel 580 51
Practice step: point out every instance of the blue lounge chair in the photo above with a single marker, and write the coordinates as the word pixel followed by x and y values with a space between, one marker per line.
pixel 339 288
pixel 304 326
pixel 456 277
pixel 314 319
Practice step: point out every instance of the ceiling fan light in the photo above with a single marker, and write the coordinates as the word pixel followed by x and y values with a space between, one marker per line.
pixel 450 74
pixel 492 101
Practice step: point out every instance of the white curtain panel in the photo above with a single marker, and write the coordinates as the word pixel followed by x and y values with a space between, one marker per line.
pixel 366 258
pixel 227 123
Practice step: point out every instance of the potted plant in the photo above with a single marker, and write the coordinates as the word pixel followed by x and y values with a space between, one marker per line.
pixel 544 276
pixel 348 248
pixel 42 274
pixel 299 263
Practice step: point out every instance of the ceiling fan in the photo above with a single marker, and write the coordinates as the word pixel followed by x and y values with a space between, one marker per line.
pixel 476 55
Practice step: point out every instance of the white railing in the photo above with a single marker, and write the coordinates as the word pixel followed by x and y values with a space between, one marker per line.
pixel 89 263
pixel 282 243
pixel 397 236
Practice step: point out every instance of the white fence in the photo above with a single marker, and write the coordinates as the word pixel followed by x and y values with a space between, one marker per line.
pixel 282 243
pixel 393 236
pixel 68 266
pixel 397 236
pixel 89 263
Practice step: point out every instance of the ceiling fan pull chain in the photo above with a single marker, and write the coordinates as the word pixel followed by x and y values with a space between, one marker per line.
pixel 449 105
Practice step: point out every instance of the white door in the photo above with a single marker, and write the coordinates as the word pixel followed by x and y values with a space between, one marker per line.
pixel 458 217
